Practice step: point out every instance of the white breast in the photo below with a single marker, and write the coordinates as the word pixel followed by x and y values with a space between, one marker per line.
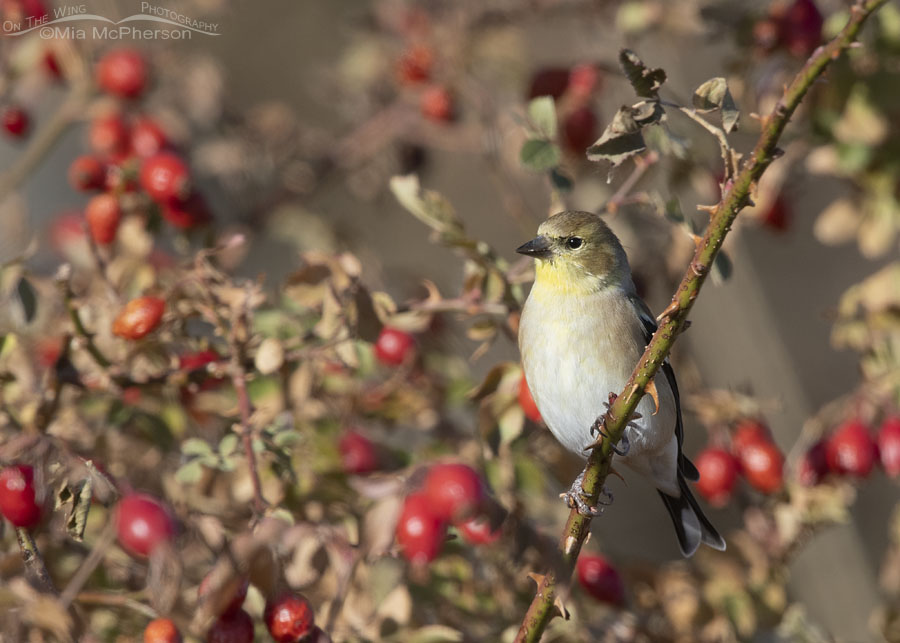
pixel 576 350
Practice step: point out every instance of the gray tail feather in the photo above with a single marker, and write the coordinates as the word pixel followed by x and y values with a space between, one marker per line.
pixel 691 526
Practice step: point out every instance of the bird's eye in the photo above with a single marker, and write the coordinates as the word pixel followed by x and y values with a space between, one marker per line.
pixel 574 242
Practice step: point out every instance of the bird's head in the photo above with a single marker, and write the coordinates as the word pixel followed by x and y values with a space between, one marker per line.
pixel 576 251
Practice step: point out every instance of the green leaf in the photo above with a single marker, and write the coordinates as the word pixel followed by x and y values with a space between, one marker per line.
pixel 713 95
pixel 539 155
pixel 195 447
pixel 646 82
pixel 189 472
pixel 228 445
pixel 28 299
pixel 426 205
pixel 542 113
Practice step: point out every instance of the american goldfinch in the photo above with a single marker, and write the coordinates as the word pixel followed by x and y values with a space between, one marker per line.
pixel 582 332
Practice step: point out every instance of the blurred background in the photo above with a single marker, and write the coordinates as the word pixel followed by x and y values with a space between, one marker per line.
pixel 294 116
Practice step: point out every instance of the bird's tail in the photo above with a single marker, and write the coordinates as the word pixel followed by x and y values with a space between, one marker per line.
pixel 691 526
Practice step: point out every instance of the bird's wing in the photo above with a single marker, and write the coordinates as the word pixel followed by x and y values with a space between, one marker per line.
pixel 687 468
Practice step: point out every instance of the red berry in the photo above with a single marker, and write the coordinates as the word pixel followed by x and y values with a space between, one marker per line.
pixel 108 135
pixel 437 104
pixel 147 138
pixel 551 81
pixel 161 630
pixel 851 450
pixel 17 496
pixel 198 359
pixel 763 466
pixel 813 466
pixel 122 72
pixel 393 347
pixel 747 432
pixel 579 130
pixel 718 475
pixel 48 350
pixel 420 533
pixel 51 65
pixel 186 214
pixel 583 81
pixel 526 401
pixel 236 627
pixel 103 214
pixel 15 121
pixel 477 530
pixel 358 453
pixel 87 173
pixel 238 594
pixel 889 446
pixel 143 523
pixel 289 618
pixel 777 217
pixel 139 317
pixel 801 28
pixel 454 490
pixel 600 579
pixel 165 178
pixel 414 66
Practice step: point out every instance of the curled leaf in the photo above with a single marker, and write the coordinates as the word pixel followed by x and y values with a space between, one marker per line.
pixel 646 81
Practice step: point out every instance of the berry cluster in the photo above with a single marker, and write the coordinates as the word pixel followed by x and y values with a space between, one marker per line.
pixel 131 163
pixel 795 27
pixel 451 493
pixel 851 450
pixel 415 68
pixel 753 454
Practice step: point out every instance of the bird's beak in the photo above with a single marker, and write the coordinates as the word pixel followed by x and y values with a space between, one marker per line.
pixel 539 248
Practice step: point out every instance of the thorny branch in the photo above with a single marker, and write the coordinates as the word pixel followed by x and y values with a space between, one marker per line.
pixel 721 219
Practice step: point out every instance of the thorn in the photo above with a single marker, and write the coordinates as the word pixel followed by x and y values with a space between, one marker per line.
pixel 687 324
pixel 558 604
pixel 650 390
pixel 755 116
pixel 613 471
pixel 537 578
pixel 777 153
pixel 669 310
pixel 707 208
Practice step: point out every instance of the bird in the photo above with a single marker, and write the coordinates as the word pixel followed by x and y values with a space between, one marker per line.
pixel 582 331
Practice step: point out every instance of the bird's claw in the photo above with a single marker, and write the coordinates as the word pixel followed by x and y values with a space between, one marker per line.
pixel 576 498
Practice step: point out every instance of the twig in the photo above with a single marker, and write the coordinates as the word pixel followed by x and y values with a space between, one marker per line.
pixel 722 217
pixel 641 165
pixel 35 568
pixel 116 600
pixel 62 280
pixel 89 565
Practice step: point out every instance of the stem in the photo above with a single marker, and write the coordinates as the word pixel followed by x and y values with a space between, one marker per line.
pixel 68 297
pixel 116 600
pixel 239 380
pixel 722 217
pixel 35 568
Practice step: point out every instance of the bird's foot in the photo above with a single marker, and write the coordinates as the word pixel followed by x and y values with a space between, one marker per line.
pixel 576 498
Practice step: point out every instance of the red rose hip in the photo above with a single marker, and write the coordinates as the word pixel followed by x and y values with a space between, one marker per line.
pixel 526 401
pixel 147 138
pixel 161 630
pixel 289 618
pixel 718 475
pixel 103 214
pixel 165 178
pixel 813 467
pixel 142 524
pixel 236 627
pixel 87 173
pixel 748 431
pixel 358 453
pixel 139 317
pixel 393 347
pixel 18 502
pixel 889 446
pixel 420 534
pixel 122 72
pixel 477 530
pixel 600 579
pixel 455 491
pixel 763 466
pixel 437 104
pixel 15 121
pixel 851 450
